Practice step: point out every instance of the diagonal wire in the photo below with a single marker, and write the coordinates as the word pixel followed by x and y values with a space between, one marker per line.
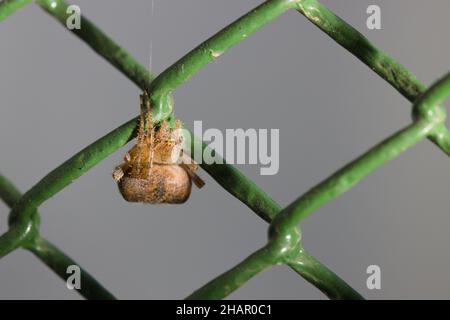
pixel 54 258
pixel 8 7
pixel 281 248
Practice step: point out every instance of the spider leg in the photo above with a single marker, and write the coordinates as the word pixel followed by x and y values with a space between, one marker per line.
pixel 150 132
pixel 190 166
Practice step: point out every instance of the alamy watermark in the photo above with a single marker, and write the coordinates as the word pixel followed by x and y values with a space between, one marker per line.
pixel 374 278
pixel 73 20
pixel 237 146
pixel 373 21
pixel 74 279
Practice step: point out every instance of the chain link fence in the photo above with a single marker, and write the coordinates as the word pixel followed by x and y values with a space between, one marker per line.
pixel 284 245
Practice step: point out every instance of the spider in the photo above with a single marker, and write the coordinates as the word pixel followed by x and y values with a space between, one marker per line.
pixel 156 169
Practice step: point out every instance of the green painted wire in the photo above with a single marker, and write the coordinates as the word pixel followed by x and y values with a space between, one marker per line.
pixel 184 68
pixel 70 170
pixel 58 261
pixel 283 236
pixel 245 25
pixel 250 194
pixel 309 5
pixel 316 273
pixel 22 232
pixel 347 177
pixel 239 186
pixel 304 264
pixel 215 46
pixel 54 258
pixel 352 40
pixel 377 60
pixel 8 7
pixel 60 12
pixel 234 278
pixel 101 43
pixel 16 236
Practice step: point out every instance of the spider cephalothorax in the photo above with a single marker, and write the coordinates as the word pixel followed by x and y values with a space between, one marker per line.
pixel 156 169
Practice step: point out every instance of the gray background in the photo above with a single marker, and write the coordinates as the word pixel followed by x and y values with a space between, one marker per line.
pixel 57 96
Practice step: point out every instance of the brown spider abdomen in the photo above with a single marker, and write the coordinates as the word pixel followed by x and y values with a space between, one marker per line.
pixel 163 184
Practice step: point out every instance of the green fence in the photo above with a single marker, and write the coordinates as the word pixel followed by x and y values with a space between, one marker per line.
pixel 284 244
